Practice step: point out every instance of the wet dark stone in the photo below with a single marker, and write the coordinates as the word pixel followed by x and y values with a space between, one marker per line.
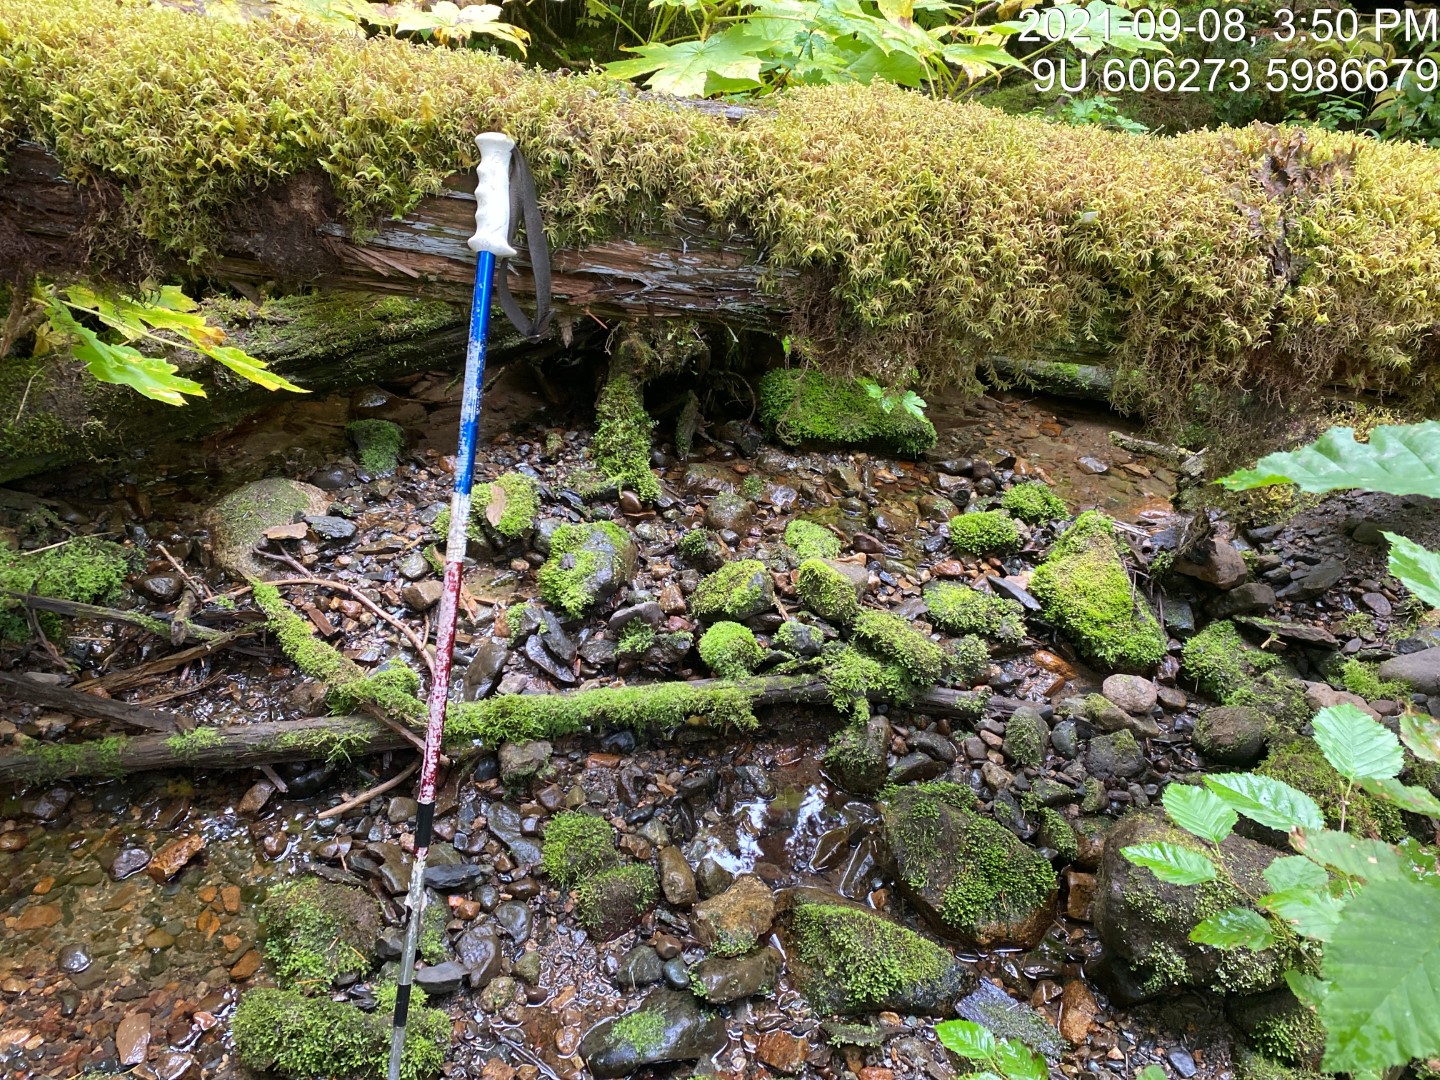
pixel 676 973
pixel 478 950
pixel 73 959
pixel 724 979
pixel 1007 1018
pixel 1315 581
pixel 937 746
pixel 131 860
pixel 641 966
pixel 332 530
pixel 487 768
pixel 483 671
pixel 504 822
pixel 515 919
pixel 1005 587
pixel 538 655
pixel 487 896
pixel 1182 1062
pixel 712 878
pixel 440 979
pixel 454 877
pixel 916 767
pixel 686 1034
pixel 618 742
pixel 51 804
pixel 162 588
pixel 648 612
pixel 391 944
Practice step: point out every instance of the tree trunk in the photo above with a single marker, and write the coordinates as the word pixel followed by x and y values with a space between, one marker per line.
pixel 243 745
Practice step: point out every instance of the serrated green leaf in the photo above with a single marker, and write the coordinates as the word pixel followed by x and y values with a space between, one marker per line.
pixel 1399 459
pixel 684 67
pixel 1295 872
pixel 1421 733
pixel 1151 1072
pixel 1417 568
pixel 1312 913
pixel 966 1038
pixel 1383 965
pixel 1270 802
pixel 1356 744
pixel 247 367
pixel 1414 799
pixel 1199 811
pixel 1018 1062
pixel 1309 989
pixel 1356 856
pixel 1234 928
pixel 1171 863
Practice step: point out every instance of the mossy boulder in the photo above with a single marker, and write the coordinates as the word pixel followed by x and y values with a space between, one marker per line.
pixel 613 901
pixel 738 591
pixel 811 540
pixel 1232 671
pixel 1034 503
pixel 517 499
pixel 847 958
pixel 669 1025
pixel 377 444
pixel 1231 735
pixel 984 532
pixel 731 922
pixel 959 609
pixel 971 879
pixel 1299 762
pixel 315 930
pixel 856 756
pixel 1145 923
pixel 587 564
pixel 1086 591
pixel 238 521
pixel 730 650
pixel 577 846
pixel 285 1032
pixel 892 638
pixel 810 406
pixel 828 590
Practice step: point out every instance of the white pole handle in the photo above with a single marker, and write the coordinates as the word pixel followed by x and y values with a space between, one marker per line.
pixel 492 195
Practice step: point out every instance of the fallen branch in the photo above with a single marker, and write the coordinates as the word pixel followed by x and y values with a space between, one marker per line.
pixel 158 625
pixel 81 704
pixel 129 678
pixel 365 796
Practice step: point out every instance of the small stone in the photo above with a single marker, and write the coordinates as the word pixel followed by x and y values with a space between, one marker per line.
pixel 731 922
pixel 641 966
pixel 783 1051
pixel 413 566
pixel 401 809
pixel 247 965
pixel 330 529
pixel 421 596
pixel 454 877
pixel 253 801
pixel 130 860
pixel 162 588
pixel 520 761
pixel 677 880
pixel 1182 1063
pixel 672 600
pixel 1420 669
pixel 132 1038
pixel 171 858
pixel 1077 1012
pixel 438 980
pixel 1079 893
pixel 1135 695
pixel 1378 604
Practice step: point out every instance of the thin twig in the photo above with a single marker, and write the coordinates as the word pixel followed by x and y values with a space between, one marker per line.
pixel 365 796
pixel 196 587
pixel 274 778
pixel 61 543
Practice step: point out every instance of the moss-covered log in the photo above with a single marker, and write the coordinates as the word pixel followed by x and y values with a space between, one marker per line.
pixel 52 413
pixel 1224 271
pixel 704 702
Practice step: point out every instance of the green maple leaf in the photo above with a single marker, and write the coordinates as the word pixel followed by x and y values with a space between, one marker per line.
pixel 725 61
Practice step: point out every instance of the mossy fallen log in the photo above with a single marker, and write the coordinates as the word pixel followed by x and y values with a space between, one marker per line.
pixel 511 717
pixel 52 413
pixel 1222 271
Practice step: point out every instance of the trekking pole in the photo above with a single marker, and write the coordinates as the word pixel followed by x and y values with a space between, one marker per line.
pixel 491 240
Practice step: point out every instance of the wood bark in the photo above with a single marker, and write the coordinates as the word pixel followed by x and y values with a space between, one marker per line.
pixel 81 704
pixel 245 745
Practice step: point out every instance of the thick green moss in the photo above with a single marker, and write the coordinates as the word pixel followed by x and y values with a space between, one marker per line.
pixel 623 430
pixel 735 591
pixel 612 895
pixel 1221 661
pixel 1298 762
pixel 966 660
pixel 892 637
pixel 635 639
pixel 695 544
pixel 811 541
pixel 1014 233
pixel 851 675
pixel 1251 1066
pixel 577 846
pixel 1361 678
pixel 87 570
pixel 379 443
pixel 730 650
pixel 984 532
pixel 432 947
pixel 184 745
pixel 862 958
pixel 1034 503
pixel 315 930
pixel 959 609
pixel 569 575
pixel 827 592
pixel 799 406
pixel 522 503
pixel 518 717
pixel 1087 592
pixel 301 1037
pixel 46 761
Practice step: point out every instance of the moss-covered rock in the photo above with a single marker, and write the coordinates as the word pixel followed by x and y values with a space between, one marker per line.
pixel 1087 592
pixel 623 430
pixel 892 638
pixel 852 675
pixel 1231 670
pixel 1146 923
pixel 613 901
pixel 737 591
pixel 315 930
pixel 237 522
pixel 1299 762
pixel 1233 735
pixel 1280 1027
pixel 730 650
pixel 587 564
pixel 811 541
pixel 669 1025
pixel 967 659
pixel 971 879
pixel 87 570
pixel 284 1032
pixel 855 757
pixel 577 845
pixel 731 922
pixel 810 406
pixel 827 591
pixel 1034 503
pixel 959 609
pixel 521 498
pixel 984 532
pixel 847 958
pixel 377 443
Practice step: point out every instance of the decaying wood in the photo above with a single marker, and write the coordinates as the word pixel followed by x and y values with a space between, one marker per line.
pixel 81 704
pixel 693 272
pixel 245 745
pixel 193 631
pixel 142 673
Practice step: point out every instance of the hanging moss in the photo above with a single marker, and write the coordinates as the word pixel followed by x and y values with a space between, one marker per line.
pixel 1198 268
pixel 811 406
pixel 623 430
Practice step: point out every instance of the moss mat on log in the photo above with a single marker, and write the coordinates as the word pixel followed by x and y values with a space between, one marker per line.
pixel 1249 264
